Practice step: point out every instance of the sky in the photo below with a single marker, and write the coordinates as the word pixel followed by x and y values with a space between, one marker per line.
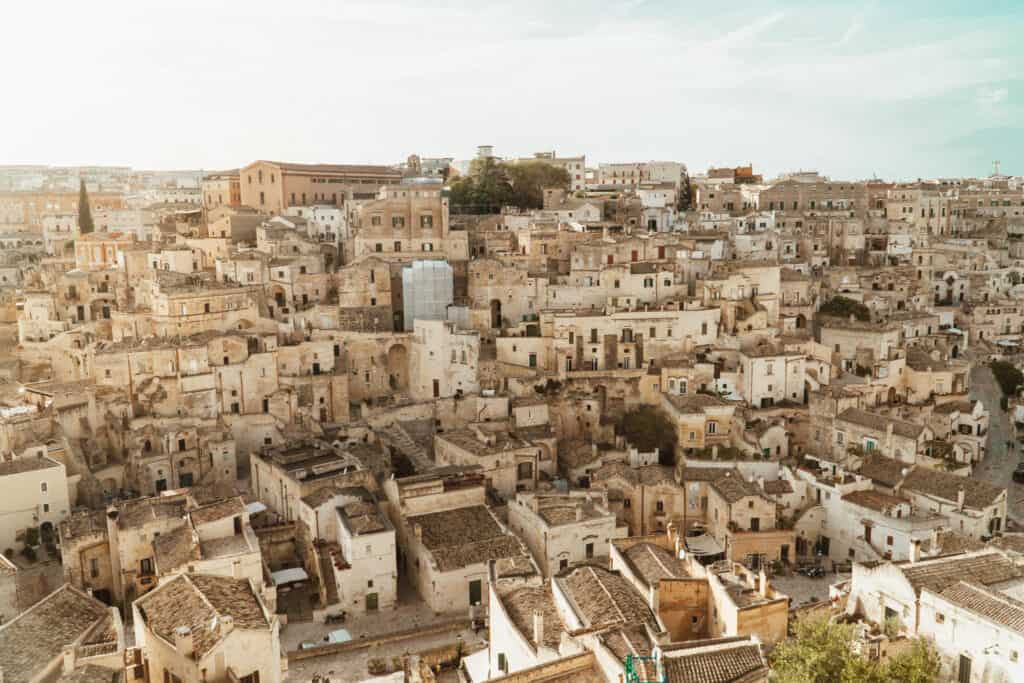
pixel 898 90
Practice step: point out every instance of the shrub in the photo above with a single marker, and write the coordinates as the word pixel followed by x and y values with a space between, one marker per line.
pixel 648 428
pixel 841 307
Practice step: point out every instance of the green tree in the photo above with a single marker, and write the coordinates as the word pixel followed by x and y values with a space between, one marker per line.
pixel 485 189
pixel 648 428
pixel 822 652
pixel 1009 377
pixel 841 307
pixel 491 184
pixel 85 225
pixel 685 201
pixel 919 664
pixel 529 179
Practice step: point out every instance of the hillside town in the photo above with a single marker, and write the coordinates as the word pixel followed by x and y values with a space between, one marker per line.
pixel 508 419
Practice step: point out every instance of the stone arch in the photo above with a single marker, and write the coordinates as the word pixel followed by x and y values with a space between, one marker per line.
pixel 495 314
pixel 801 321
pixel 398 367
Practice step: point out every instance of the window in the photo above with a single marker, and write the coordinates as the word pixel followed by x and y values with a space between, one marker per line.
pixel 712 427
pixel 589 550
pixel 426 221
pixel 940 618
pixel 375 220
pixel 42 486
pixel 94 568
pixel 46 507
pixel 398 221
pixel 254 677
pixel 626 503
pixel 146 567
pixel 840 438
pixel 502 663
pixel 659 506
pixel 769 368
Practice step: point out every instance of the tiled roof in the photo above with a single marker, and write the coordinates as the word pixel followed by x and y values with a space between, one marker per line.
pixel 33 639
pixel 946 485
pixel 632 639
pixel 733 487
pixel 521 604
pixel 941 573
pixel 137 512
pixel 778 486
pixel 601 597
pixel 84 523
pixel 335 168
pixel 873 500
pixel 882 470
pixel 653 563
pixel 363 517
pixel 175 548
pixel 197 601
pixel 651 475
pixel 992 605
pixel 702 473
pixel 464 536
pixel 713 661
pixel 216 511
pixel 880 423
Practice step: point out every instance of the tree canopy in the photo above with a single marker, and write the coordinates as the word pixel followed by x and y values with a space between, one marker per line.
pixel 841 307
pixel 492 184
pixel 85 225
pixel 1009 377
pixel 822 652
pixel 648 428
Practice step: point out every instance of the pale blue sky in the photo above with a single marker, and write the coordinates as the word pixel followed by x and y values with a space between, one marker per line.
pixel 901 90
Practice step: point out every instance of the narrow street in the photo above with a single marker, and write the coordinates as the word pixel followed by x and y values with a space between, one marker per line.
pixel 998 465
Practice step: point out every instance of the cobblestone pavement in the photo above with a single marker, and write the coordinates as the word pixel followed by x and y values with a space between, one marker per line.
pixel 410 612
pixel 999 463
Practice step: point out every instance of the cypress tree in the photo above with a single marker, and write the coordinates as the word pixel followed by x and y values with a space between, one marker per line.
pixel 85 225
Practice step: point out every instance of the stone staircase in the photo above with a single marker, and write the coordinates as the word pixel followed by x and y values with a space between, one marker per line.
pixel 327 575
pixel 398 438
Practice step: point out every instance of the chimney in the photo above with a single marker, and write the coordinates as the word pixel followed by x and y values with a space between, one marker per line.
pixel 579 513
pixel 915 551
pixel 960 498
pixel 69 658
pixel 236 570
pixel 538 628
pixel 653 598
pixel 762 583
pixel 853 318
pixel 183 641
pixel 226 624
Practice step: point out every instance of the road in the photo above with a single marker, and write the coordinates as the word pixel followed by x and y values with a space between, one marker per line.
pixel 998 465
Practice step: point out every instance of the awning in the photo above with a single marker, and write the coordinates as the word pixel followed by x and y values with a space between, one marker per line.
pixel 255 507
pixel 340 636
pixel 703 545
pixel 293 575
